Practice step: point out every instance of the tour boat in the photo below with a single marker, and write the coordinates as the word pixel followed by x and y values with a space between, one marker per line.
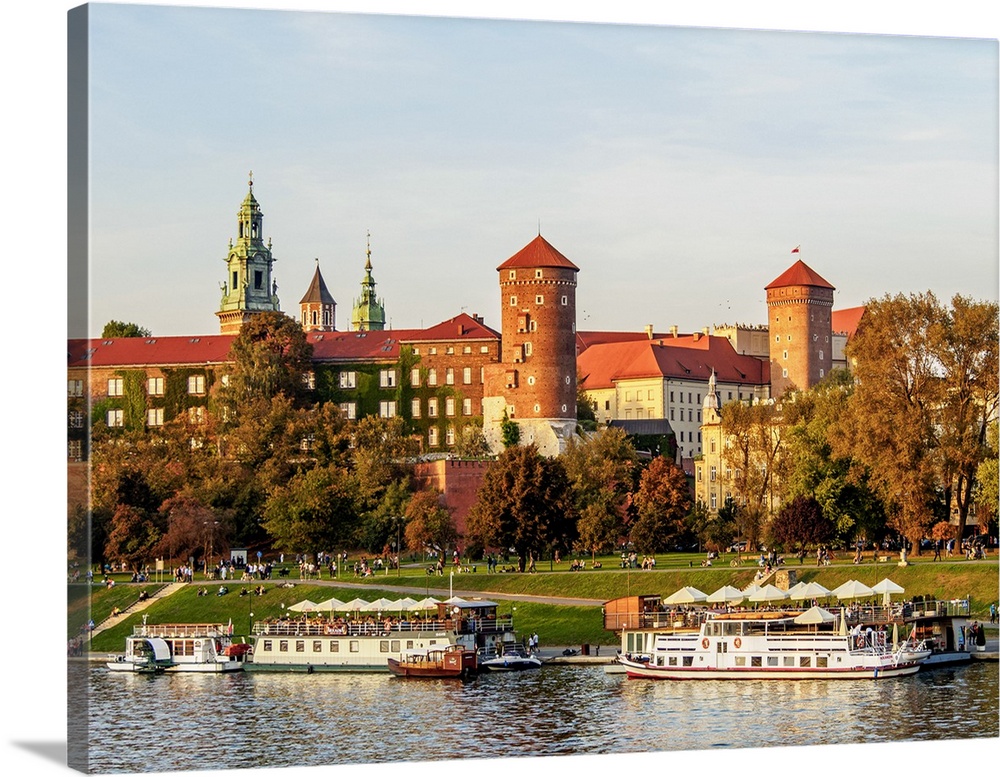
pixel 778 644
pixel 511 658
pixel 939 627
pixel 436 662
pixel 180 647
pixel 365 643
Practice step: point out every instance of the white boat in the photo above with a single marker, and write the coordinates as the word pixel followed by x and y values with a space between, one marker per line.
pixel 511 658
pixel 365 643
pixel 783 645
pixel 180 647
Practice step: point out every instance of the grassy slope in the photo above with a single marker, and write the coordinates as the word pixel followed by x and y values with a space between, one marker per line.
pixel 555 624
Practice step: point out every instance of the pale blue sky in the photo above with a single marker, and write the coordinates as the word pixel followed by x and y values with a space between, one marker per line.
pixel 677 167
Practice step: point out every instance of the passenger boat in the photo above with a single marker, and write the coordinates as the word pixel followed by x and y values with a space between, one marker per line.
pixel 776 644
pixel 180 647
pixel 939 627
pixel 364 643
pixel 511 658
pixel 446 661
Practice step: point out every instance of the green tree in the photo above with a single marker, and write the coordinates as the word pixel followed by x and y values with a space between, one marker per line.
pixel 662 503
pixel 121 329
pixel 429 523
pixel 315 511
pixel 192 529
pixel 800 524
pixel 524 503
pixel 270 356
pixel 132 536
pixel 988 483
pixel 510 432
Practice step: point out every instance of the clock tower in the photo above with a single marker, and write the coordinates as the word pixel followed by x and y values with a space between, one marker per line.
pixel 249 287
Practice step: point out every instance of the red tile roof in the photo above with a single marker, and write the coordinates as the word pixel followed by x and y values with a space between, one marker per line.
pixel 846 320
pixel 317 291
pixel 684 357
pixel 538 253
pixel 586 339
pixel 799 274
pixel 141 351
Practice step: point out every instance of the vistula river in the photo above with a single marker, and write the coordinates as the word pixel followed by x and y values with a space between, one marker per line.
pixel 189 721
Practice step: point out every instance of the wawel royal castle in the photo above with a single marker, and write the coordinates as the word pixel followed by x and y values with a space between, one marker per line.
pixel 461 371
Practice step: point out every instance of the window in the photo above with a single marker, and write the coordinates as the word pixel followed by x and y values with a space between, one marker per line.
pixel 565 300
pixel 258 279
pixel 821 356
pixel 527 349
pixel 531 380
pixel 649 394
pixel 415 377
pixel 512 274
pixel 671 414
pixel 116 418
pixel 784 355
pixel 154 387
pixel 334 646
pixel 154 416
pixel 115 387
pixel 628 396
pixel 539 299
pixel 387 409
pixel 76 419
pixel 671 396
pixel 348 380
pixel 432 377
pixel 432 437
pixel 383 646
pixel 513 302
pixel 309 380
pixel 467 375
pixel 196 415
pixel 538 273
pixel 349 409
pixel 432 351
pixel 821 373
pixel 432 407
pixel 714 501
pixel 466 406
pixel 449 376
pixel 387 378
pixel 355 646
pixel 449 436
pixel 317 646
pixel 196 384
pixel 415 407
pixel 484 349
pixel 466 349
pixel 712 472
pixel 449 406
pixel 784 373
pixel 74 388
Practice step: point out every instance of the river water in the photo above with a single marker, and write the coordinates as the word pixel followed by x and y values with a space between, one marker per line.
pixel 190 721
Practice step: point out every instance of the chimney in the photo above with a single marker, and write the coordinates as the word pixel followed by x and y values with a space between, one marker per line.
pixel 477 318
pixel 649 331
pixel 673 331
pixel 704 331
pixel 696 336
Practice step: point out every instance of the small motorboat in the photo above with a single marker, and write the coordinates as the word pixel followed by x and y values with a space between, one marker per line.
pixel 510 658
pixel 435 662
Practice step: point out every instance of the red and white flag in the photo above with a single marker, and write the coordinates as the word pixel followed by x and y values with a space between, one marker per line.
pixel 796 249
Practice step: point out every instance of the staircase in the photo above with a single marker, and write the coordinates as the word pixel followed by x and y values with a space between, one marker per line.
pixel 137 606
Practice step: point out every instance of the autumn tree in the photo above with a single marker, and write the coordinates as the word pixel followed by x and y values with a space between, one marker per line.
pixel 192 529
pixel 122 329
pixel 602 469
pixel 988 483
pixel 315 511
pixel 800 524
pixel 429 523
pixel 524 503
pixel 662 503
pixel 132 537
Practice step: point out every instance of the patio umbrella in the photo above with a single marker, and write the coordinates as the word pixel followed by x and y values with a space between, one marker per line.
pixel 727 594
pixel 686 595
pixel 852 589
pixel 426 604
pixel 454 600
pixel 887 588
pixel 379 605
pixel 330 605
pixel 405 603
pixel 815 590
pixel 750 590
pixel 815 616
pixel 304 606
pixel 797 592
pixel 769 593
pixel 355 604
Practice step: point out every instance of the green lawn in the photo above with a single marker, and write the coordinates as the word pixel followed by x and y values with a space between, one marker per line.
pixel 555 624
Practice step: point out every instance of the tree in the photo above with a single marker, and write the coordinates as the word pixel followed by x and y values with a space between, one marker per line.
pixel 988 483
pixel 524 503
pixel 192 529
pixel 121 329
pixel 662 502
pixel 270 356
pixel 132 537
pixel 799 524
pixel 315 511
pixel 602 469
pixel 510 432
pixel 429 523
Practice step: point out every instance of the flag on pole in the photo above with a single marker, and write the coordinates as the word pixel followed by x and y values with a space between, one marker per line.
pixel 796 249
pixel 229 628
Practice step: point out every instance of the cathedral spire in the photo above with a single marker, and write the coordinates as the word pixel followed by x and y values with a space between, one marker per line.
pixel 369 311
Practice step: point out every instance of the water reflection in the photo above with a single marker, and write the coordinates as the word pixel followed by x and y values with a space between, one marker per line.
pixel 160 723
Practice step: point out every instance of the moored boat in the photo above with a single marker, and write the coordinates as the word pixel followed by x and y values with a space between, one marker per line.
pixel 511 658
pixel 180 647
pixel 445 661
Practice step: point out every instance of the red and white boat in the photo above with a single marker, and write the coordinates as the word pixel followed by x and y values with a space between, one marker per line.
pixel 435 662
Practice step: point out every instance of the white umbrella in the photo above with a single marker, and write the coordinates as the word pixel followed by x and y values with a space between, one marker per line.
pixel 426 604
pixel 330 605
pixel 887 588
pixel 815 615
pixel 304 606
pixel 454 600
pixel 750 590
pixel 355 604
pixel 379 605
pixel 815 590
pixel 727 594
pixel 797 592
pixel 686 595
pixel 852 589
pixel 404 604
pixel 769 593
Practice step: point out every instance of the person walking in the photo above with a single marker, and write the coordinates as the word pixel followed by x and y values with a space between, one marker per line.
pixel 937 550
pixel 993 613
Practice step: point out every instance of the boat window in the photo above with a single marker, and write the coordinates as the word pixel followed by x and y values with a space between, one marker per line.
pixel 821 661
pixel 317 646
pixel 772 660
pixel 755 661
pixel 741 660
pixel 672 661
pixel 394 646
pixel 722 647
pixel 688 660
pixel 283 646
pixel 805 661
pixel 300 646
pixel 409 644
pixel 334 646
pixel 789 661
pixel 267 646
pixel 383 646
pixel 355 646
pixel 659 660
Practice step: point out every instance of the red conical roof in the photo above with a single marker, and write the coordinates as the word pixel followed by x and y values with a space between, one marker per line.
pixel 799 274
pixel 538 253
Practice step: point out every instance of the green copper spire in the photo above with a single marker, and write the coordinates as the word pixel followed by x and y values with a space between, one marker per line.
pixel 368 313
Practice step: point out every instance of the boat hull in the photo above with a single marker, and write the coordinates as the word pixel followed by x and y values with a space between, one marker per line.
pixel 509 665
pixel 645 671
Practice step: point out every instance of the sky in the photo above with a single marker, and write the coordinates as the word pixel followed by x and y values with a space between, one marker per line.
pixel 677 167
pixel 688 168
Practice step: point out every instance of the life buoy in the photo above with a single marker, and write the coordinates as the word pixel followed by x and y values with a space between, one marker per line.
pixel 704 643
pixel 737 642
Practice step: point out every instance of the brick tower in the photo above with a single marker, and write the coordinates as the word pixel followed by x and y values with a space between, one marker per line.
pixel 799 302
pixel 318 308
pixel 535 382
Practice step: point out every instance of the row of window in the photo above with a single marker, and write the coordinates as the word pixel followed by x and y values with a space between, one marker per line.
pixel 154 417
pixel 450 349
pixel 389 378
pixel 539 300
pixel 154 386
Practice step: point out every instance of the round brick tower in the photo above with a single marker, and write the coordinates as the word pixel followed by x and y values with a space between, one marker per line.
pixel 535 382
pixel 799 303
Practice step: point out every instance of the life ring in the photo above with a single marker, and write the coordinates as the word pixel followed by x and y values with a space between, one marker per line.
pixel 704 643
pixel 737 642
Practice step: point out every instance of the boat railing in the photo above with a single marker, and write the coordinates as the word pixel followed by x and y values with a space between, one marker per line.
pixel 350 629
pixel 179 630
